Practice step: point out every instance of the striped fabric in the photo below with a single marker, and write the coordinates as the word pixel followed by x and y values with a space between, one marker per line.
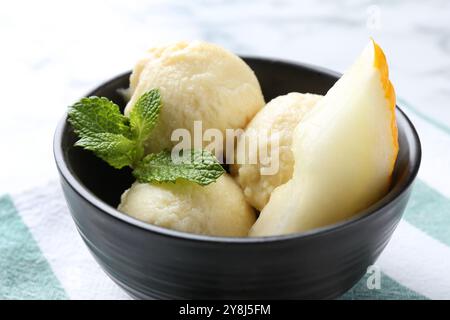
pixel 42 256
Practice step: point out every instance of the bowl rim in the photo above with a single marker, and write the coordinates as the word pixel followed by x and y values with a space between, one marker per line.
pixel 102 206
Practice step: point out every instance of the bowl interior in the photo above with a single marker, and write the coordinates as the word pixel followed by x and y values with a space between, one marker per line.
pixel 276 78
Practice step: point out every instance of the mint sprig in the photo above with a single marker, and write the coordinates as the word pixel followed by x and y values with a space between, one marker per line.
pixel 120 141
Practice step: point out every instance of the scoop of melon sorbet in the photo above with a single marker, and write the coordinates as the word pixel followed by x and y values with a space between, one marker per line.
pixel 218 209
pixel 198 81
pixel 277 121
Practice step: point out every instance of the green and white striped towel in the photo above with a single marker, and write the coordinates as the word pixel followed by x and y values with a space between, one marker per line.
pixel 43 257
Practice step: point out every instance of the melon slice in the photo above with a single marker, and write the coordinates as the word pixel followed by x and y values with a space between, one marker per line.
pixel 344 151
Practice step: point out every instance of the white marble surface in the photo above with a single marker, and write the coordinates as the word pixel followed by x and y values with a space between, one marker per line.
pixel 53 52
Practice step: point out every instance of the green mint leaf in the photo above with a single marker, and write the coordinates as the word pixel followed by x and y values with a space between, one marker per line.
pixel 143 118
pixel 115 149
pixel 97 115
pixel 144 115
pixel 198 166
pixel 104 130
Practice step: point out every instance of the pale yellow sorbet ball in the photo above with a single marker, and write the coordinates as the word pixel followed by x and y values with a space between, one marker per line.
pixel 218 209
pixel 280 116
pixel 198 81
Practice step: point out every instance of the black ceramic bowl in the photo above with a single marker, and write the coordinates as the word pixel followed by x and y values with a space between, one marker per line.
pixel 153 262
